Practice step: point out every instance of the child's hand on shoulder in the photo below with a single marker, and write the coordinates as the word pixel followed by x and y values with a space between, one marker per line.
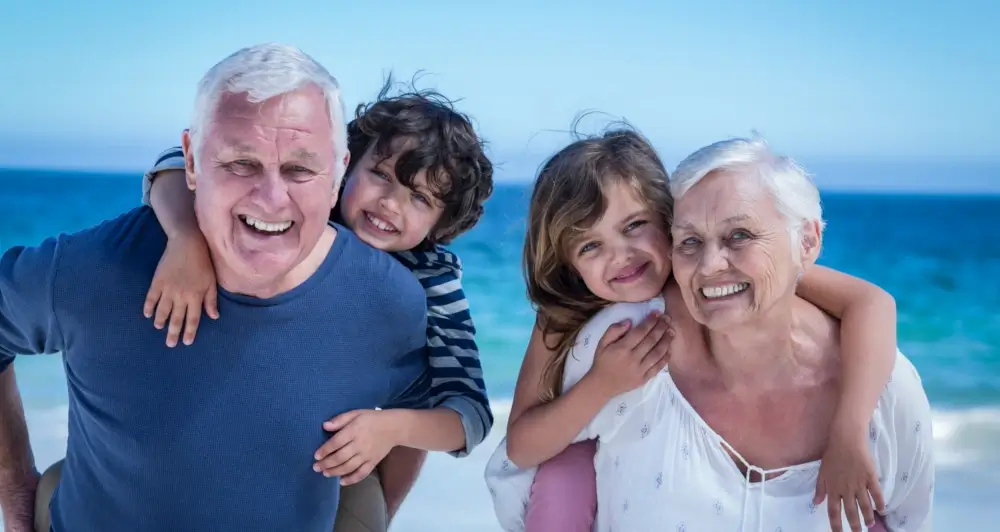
pixel 183 284
pixel 628 356
pixel 847 478
pixel 362 438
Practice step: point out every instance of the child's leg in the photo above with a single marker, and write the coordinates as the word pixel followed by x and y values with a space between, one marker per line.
pixel 398 472
pixel 564 493
pixel 362 507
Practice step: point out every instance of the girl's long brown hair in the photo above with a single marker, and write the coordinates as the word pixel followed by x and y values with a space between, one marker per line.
pixel 568 198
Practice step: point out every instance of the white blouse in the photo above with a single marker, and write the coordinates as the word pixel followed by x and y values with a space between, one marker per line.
pixel 661 467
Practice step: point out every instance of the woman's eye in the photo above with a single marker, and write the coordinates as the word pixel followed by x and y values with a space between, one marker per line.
pixel 690 241
pixel 740 235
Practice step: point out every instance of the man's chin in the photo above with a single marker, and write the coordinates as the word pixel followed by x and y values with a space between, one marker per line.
pixel 257 272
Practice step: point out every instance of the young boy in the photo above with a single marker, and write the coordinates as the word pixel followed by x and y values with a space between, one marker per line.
pixel 417 178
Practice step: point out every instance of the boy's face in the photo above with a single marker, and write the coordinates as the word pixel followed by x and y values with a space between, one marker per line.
pixel 382 211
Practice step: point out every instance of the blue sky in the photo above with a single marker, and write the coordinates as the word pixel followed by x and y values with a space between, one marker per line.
pixel 106 84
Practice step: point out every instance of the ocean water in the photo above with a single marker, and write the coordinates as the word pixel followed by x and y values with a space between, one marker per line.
pixel 938 256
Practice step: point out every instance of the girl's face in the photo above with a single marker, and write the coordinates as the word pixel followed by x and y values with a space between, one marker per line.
pixel 383 212
pixel 625 256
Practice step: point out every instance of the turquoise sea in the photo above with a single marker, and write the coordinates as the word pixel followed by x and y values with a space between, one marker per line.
pixel 938 255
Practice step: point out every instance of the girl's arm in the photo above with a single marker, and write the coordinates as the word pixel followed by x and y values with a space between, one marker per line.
pixel 867 337
pixel 625 358
pixel 867 314
pixel 537 431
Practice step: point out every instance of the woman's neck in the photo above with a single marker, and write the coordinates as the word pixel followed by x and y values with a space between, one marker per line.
pixel 771 350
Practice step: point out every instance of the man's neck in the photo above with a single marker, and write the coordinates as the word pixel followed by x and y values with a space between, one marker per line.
pixel 298 275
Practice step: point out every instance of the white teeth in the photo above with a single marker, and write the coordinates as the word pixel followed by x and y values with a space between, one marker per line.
pixel 266 227
pixel 713 292
pixel 383 225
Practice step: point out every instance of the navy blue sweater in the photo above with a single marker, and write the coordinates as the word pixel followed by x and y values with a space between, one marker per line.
pixel 219 435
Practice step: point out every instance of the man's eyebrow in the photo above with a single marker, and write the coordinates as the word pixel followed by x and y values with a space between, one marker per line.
pixel 237 147
pixel 304 155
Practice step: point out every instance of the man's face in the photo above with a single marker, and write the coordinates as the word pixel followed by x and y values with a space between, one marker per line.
pixel 264 188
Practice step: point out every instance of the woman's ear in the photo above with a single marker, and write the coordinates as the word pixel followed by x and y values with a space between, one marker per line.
pixel 811 242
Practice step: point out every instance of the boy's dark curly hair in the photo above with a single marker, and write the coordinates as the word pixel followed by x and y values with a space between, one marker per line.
pixel 438 139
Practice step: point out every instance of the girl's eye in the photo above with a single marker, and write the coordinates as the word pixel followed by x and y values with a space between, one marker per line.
pixel 379 174
pixel 421 198
pixel 635 225
pixel 588 247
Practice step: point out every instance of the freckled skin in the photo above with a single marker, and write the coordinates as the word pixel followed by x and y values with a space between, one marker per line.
pixel 271 161
pixel 373 189
pixel 627 236
pixel 727 229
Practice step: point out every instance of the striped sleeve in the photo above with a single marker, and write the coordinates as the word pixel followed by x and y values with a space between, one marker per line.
pixel 456 373
pixel 170 159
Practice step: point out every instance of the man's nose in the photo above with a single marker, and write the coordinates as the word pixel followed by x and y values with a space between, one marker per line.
pixel 272 189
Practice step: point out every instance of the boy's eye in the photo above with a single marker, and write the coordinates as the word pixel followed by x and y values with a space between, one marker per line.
pixel 380 174
pixel 421 198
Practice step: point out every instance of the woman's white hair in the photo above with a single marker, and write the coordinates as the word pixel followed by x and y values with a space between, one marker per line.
pixel 793 190
pixel 262 72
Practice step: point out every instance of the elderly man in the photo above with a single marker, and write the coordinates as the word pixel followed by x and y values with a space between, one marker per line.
pixel 220 435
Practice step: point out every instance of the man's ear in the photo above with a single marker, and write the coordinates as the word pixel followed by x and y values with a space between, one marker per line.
pixel 190 176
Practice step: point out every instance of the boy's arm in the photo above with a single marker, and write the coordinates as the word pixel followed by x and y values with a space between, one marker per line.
pixel 457 383
pixel 165 190
pixel 867 337
pixel 28 325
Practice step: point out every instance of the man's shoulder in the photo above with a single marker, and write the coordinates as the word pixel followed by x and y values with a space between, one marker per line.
pixel 377 271
pixel 135 231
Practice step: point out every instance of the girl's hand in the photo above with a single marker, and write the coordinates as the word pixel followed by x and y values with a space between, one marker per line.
pixel 847 477
pixel 184 282
pixel 628 356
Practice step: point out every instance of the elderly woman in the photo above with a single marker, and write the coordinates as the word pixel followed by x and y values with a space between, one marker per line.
pixel 730 437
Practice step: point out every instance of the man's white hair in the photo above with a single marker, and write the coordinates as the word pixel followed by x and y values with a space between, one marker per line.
pixel 795 195
pixel 262 72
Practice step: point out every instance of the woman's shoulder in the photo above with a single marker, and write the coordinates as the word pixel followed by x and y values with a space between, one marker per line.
pixel 581 355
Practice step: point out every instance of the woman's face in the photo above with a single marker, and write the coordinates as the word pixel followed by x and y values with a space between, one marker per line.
pixel 733 257
pixel 625 256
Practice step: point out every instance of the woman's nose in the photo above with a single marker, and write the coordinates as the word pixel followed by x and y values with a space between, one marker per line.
pixel 714 260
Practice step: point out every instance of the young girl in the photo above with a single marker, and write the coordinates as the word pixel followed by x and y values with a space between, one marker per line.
pixel 418 178
pixel 568 284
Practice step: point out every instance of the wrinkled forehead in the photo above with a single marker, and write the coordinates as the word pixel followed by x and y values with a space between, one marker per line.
pixel 296 124
pixel 725 197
